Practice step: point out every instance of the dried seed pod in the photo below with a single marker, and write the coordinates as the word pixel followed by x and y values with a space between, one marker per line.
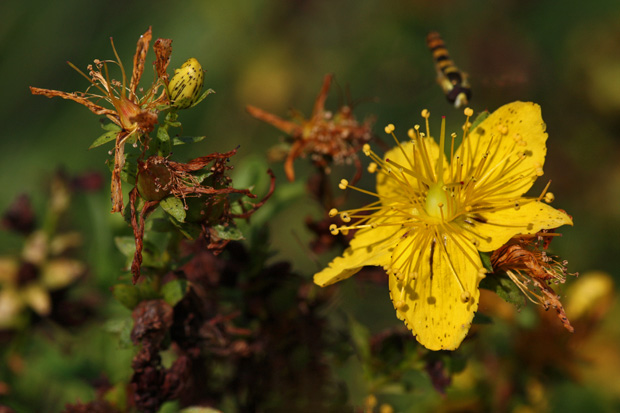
pixel 154 179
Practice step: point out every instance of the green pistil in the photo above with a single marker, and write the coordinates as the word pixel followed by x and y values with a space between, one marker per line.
pixel 436 201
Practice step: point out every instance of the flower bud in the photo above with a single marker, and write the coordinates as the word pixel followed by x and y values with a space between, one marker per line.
pixel 186 84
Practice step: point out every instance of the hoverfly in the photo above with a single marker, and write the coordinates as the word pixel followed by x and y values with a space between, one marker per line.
pixel 452 80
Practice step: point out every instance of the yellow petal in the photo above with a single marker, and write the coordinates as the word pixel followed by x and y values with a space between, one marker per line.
pixel 11 305
pixel 403 156
pixel 512 130
pixel 433 305
pixel 37 298
pixel 369 246
pixel 60 272
pixel 494 229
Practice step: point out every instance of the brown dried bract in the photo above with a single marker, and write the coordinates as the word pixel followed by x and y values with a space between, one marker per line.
pixel 325 137
pixel 159 178
pixel 525 260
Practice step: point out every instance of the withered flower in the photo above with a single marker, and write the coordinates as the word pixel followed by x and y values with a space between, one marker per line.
pixel 135 115
pixel 325 137
pixel 203 190
pixel 526 262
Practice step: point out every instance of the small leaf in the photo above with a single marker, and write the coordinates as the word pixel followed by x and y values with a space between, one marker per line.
pixel 171 119
pixel 486 261
pixel 481 117
pixel 504 288
pixel 228 232
pixel 201 98
pixel 174 207
pixel 127 295
pixel 160 225
pixel 480 318
pixel 200 409
pixel 126 245
pixel 122 328
pixel 163 141
pixel 105 138
pixel 182 140
pixel 174 291
pixel 189 230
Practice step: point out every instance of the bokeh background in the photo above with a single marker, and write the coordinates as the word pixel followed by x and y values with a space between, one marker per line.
pixel 273 54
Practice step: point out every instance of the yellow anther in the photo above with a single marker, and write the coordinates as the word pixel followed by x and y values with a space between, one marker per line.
pixel 343 184
pixel 539 171
pixel 468 208
pixel 333 228
pixel 372 168
pixel 482 272
pixel 411 133
pixel 426 114
pixel 366 149
pixel 465 296
pixel 344 231
pixel 333 212
pixel 345 217
pixel 468 112
pixel 453 135
pixel 466 125
pixel 389 128
pixel 399 305
pixel 503 129
pixel 549 197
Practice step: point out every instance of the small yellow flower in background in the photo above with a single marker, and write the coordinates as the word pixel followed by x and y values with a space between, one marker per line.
pixel 433 215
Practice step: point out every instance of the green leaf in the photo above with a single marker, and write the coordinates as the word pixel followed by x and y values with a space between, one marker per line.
pixel 200 410
pixel 126 245
pixel 127 295
pixel 361 338
pixel 171 119
pixel 182 140
pixel 105 138
pixel 174 291
pixel 121 327
pixel 480 318
pixel 486 261
pixel 189 230
pixel 204 95
pixel 228 232
pixel 160 225
pixel 505 288
pixel 174 207
pixel 481 117
pixel 163 141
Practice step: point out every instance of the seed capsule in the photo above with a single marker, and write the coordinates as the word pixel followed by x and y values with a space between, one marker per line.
pixel 186 84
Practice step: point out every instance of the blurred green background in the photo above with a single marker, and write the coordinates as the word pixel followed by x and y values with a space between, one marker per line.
pixel 274 54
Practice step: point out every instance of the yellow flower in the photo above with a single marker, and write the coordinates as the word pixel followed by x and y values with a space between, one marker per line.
pixel 434 215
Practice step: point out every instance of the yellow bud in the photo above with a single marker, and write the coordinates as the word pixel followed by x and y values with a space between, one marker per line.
pixel 186 84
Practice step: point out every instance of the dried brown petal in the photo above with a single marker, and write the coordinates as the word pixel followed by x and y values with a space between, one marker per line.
pixel 139 58
pixel 163 50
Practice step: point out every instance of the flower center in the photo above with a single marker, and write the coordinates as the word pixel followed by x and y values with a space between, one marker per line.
pixel 436 202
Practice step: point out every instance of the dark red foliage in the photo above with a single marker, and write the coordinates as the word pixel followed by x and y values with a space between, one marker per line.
pixel 19 217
